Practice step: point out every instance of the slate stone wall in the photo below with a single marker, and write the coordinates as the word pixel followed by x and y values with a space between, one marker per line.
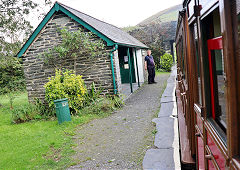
pixel 37 72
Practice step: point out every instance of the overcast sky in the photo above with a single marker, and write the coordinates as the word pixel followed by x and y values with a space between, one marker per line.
pixel 121 13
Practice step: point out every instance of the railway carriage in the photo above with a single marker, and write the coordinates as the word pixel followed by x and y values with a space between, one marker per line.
pixel 208 84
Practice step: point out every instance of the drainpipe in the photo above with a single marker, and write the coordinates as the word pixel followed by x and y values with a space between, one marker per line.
pixel 113 75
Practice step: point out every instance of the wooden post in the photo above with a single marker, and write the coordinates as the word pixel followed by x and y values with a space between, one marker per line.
pixel 137 67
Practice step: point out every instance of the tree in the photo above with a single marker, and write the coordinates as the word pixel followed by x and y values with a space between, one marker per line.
pixel 153 36
pixel 157 50
pixel 14 27
pixel 74 44
pixel 11 73
pixel 13 14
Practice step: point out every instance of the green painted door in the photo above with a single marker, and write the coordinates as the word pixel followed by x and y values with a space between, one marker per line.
pixel 124 67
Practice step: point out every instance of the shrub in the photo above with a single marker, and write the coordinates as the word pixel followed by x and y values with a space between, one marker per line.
pixel 166 62
pixel 117 101
pixel 11 75
pixel 66 84
pixel 96 103
pixel 25 113
pixel 101 105
pixel 92 94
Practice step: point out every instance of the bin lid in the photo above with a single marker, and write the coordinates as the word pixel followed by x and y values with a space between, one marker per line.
pixel 60 100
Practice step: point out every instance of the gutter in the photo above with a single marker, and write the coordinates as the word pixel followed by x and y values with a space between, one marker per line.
pixel 135 46
pixel 112 66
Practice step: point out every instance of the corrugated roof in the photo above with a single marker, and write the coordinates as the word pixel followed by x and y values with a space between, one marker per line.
pixel 112 32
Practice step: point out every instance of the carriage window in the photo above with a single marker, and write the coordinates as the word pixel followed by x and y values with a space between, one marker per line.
pixel 197 64
pixel 181 57
pixel 214 70
pixel 183 62
pixel 217 85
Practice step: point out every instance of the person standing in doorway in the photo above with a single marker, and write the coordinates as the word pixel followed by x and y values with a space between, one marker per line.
pixel 150 67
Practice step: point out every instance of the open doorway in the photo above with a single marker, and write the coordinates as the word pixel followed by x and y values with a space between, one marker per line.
pixel 125 63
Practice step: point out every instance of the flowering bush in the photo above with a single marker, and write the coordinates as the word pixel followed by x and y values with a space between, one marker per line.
pixel 66 84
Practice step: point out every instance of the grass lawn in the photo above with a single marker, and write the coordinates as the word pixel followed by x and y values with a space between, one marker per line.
pixel 36 144
pixel 161 72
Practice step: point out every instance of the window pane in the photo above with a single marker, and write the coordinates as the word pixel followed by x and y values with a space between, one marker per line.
pixel 213 65
pixel 199 76
pixel 198 65
pixel 220 89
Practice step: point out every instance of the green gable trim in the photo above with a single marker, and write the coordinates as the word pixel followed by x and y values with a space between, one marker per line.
pixel 36 31
pixel 55 8
pixel 56 5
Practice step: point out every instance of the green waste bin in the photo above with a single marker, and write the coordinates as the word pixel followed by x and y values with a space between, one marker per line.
pixel 62 110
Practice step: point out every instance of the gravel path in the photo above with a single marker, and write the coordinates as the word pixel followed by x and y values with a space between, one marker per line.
pixel 121 140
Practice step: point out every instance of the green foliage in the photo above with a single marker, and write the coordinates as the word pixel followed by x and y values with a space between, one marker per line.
pixel 66 84
pixel 159 26
pixel 25 113
pixel 118 101
pixel 98 106
pixel 152 36
pixel 130 28
pixel 30 111
pixel 36 144
pixel 14 27
pixel 13 17
pixel 11 97
pixel 92 95
pixel 157 51
pixel 74 44
pixel 95 103
pixel 11 75
pixel 166 62
pixel 101 105
pixel 154 132
pixel 11 72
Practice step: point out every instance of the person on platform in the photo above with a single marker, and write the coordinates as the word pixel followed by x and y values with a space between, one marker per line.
pixel 150 67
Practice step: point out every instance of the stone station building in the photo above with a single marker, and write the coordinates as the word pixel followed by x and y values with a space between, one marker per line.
pixel 119 70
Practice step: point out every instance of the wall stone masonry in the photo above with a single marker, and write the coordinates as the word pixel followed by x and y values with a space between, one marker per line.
pixel 37 72
pixel 117 71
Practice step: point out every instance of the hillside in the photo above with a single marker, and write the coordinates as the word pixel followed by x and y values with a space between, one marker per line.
pixel 166 15
pixel 157 29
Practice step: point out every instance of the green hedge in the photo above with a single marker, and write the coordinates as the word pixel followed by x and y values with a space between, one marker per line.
pixel 166 62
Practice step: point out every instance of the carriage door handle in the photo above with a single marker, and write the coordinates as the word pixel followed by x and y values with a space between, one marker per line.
pixel 208 156
pixel 184 93
pixel 197 134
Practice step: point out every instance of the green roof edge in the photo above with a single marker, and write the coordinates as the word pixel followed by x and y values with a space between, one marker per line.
pixel 36 31
pixel 58 7
pixel 55 8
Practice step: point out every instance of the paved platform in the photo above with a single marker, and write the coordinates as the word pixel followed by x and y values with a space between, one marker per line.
pixel 166 155
pixel 126 89
pixel 119 140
